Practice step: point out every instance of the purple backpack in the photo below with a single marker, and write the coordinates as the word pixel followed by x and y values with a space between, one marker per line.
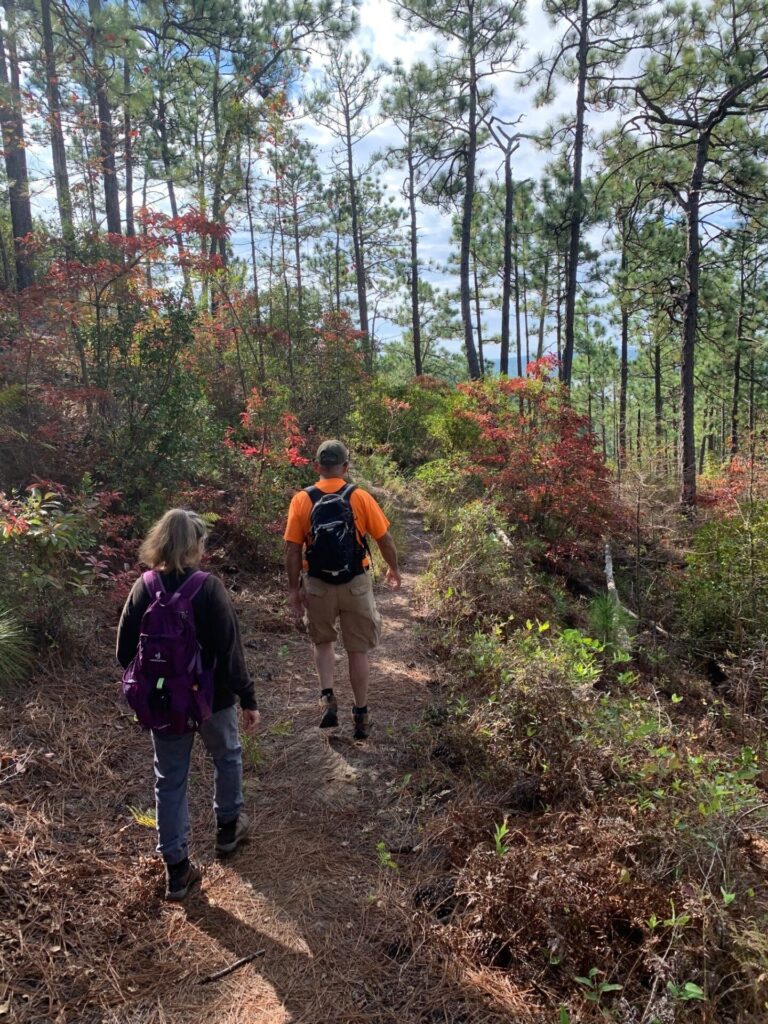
pixel 166 684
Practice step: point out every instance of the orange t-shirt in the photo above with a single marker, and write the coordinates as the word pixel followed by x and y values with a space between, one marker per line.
pixel 369 519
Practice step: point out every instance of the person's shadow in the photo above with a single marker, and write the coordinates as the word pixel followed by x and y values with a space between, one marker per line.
pixel 280 964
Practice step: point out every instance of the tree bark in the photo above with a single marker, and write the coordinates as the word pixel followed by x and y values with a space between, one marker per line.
pixel 525 304
pixel 506 278
pixel 297 257
pixel 415 312
pixel 623 358
pixel 58 149
pixel 737 360
pixel 477 317
pixel 165 155
pixel 576 197
pixel 130 227
pixel 518 337
pixel 12 128
pixel 690 322
pixel 362 295
pixel 473 364
pixel 106 136
pixel 658 409
pixel 249 210
pixel 544 299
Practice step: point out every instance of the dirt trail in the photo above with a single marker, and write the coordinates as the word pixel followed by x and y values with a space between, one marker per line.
pixel 85 937
pixel 309 888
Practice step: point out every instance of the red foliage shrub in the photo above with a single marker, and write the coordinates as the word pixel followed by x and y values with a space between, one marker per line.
pixel 538 459
pixel 744 481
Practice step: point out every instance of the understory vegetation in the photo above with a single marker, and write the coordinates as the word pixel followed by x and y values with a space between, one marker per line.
pixel 607 828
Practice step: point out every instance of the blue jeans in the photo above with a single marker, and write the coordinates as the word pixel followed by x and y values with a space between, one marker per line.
pixel 172 756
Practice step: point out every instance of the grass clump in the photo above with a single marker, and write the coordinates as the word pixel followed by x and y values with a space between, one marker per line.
pixel 16 648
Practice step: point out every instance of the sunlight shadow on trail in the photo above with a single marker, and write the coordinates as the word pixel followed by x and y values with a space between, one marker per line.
pixel 260 987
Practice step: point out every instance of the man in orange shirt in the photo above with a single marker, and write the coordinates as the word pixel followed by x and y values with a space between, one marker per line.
pixel 326 538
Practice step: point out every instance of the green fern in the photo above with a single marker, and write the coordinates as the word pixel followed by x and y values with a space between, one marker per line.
pixel 15 648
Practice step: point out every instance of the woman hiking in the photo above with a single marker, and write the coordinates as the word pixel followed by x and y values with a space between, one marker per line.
pixel 173 549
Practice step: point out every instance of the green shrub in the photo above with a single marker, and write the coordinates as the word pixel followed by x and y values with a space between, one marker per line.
pixel 442 488
pixel 478 571
pixel 44 540
pixel 610 623
pixel 723 595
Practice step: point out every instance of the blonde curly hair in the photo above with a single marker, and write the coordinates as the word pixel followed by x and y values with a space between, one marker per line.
pixel 175 542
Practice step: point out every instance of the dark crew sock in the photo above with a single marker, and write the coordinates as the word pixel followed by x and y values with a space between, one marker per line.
pixel 360 711
pixel 328 692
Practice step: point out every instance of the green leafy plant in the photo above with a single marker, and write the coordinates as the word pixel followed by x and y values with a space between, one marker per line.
pixel 687 992
pixel 595 989
pixel 385 857
pixel 500 833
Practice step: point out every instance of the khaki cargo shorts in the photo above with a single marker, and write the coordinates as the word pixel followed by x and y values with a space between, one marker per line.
pixel 352 603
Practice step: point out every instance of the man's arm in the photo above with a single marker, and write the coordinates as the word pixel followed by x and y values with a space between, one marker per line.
pixel 389 554
pixel 293 564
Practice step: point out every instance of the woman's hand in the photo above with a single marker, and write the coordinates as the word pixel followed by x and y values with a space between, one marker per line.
pixel 251 721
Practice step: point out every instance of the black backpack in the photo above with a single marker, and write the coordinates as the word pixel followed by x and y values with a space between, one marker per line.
pixel 336 551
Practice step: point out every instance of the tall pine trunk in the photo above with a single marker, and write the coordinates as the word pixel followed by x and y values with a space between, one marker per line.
pixel 506 278
pixel 362 295
pixel 58 149
pixel 577 200
pixel 130 227
pixel 473 364
pixel 14 147
pixel 477 317
pixel 737 359
pixel 414 282
pixel 690 323
pixel 623 358
pixel 106 135
pixel 543 314
pixel 165 155
pixel 249 211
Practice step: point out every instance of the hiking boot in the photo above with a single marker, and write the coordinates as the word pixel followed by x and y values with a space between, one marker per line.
pixel 360 719
pixel 229 836
pixel 179 879
pixel 330 717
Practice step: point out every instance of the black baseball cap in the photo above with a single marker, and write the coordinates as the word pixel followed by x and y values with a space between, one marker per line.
pixel 332 453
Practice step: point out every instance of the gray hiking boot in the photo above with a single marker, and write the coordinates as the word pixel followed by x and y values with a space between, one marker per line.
pixel 230 835
pixel 179 879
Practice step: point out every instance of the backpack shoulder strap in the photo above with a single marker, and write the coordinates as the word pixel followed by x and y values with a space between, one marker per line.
pixel 153 583
pixel 192 586
pixel 315 494
pixel 347 490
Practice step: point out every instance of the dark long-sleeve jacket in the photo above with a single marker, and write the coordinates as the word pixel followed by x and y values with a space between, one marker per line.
pixel 218 634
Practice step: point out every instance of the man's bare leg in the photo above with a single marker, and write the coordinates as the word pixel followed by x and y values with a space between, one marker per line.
pixel 358 676
pixel 325 662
